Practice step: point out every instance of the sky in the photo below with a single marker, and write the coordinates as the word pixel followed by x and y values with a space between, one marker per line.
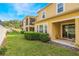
pixel 11 11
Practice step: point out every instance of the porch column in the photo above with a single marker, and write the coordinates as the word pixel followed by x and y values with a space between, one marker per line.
pixel 77 31
pixel 28 24
pixel 51 30
pixel 56 31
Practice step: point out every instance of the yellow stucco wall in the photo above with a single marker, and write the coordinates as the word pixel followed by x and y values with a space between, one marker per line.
pixel 54 23
pixel 77 31
pixel 56 19
pixel 51 9
pixel 71 6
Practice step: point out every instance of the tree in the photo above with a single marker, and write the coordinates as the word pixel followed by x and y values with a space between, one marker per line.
pixel 12 23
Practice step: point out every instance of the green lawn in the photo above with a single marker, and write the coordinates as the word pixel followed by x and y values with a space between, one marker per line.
pixel 17 45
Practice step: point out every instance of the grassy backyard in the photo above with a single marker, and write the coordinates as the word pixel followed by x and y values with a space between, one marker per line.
pixel 17 45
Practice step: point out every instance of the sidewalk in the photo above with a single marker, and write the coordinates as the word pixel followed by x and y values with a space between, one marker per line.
pixel 3 32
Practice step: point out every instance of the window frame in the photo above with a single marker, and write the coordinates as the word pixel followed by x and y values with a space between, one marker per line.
pixel 41 28
pixel 37 28
pixel 45 29
pixel 43 14
pixel 57 8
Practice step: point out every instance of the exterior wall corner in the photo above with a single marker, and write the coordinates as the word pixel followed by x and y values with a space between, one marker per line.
pixel 77 31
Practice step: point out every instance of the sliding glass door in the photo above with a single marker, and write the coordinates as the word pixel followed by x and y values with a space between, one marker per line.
pixel 68 31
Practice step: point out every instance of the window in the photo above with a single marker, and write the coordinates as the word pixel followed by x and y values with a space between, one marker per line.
pixel 60 7
pixel 45 28
pixel 32 20
pixel 37 28
pixel 26 28
pixel 43 14
pixel 31 28
pixel 27 21
pixel 41 28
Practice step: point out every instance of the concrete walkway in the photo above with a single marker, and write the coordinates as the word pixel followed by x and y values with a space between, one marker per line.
pixel 66 43
pixel 3 32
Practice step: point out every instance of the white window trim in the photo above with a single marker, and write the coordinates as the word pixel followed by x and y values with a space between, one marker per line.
pixel 38 28
pixel 44 28
pixel 57 8
pixel 42 14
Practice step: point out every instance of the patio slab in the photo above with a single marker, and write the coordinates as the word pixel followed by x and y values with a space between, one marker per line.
pixel 66 44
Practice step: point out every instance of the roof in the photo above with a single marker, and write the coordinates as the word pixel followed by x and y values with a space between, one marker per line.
pixel 44 7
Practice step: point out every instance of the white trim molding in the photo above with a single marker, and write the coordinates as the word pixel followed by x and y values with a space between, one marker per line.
pixel 43 27
pixel 60 20
pixel 42 14
pixel 57 8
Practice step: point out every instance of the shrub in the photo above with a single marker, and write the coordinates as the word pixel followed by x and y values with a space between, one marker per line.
pixel 44 37
pixel 37 36
pixel 3 50
pixel 22 32
pixel 32 35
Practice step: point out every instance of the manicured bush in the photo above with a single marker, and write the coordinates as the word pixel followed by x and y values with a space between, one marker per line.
pixel 37 36
pixel 22 32
pixel 44 37
pixel 32 35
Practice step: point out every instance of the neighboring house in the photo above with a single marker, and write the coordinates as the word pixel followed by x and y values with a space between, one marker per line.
pixel 28 23
pixel 60 21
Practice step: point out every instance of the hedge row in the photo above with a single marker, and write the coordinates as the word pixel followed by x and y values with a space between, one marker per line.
pixel 37 36
pixel 22 32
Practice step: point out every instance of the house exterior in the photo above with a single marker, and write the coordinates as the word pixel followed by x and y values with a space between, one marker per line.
pixel 28 23
pixel 60 21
